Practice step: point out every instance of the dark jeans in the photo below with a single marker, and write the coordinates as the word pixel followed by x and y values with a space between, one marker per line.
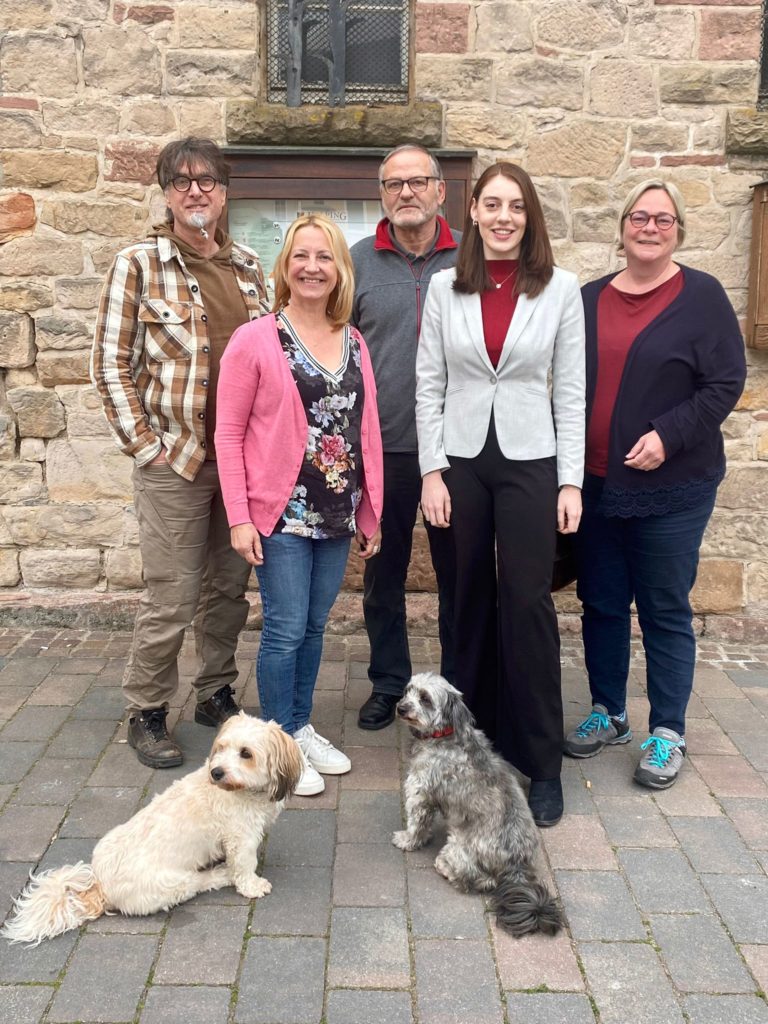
pixel 508 658
pixel 653 560
pixel 385 575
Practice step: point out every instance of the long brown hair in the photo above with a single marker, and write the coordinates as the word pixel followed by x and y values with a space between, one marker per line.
pixel 536 259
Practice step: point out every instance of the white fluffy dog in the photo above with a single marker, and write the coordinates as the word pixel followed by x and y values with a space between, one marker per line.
pixel 202 833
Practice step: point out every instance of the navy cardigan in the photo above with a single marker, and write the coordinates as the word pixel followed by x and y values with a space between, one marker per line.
pixel 683 375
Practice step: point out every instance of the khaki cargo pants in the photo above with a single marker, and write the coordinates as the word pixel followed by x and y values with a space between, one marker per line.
pixel 191 572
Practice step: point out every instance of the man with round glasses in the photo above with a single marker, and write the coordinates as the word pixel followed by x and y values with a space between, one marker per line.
pixel 168 308
pixel 393 269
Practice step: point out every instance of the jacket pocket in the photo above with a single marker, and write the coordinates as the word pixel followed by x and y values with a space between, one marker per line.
pixel 168 329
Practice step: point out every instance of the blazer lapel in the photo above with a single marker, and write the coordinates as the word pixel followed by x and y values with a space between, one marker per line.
pixel 520 318
pixel 473 316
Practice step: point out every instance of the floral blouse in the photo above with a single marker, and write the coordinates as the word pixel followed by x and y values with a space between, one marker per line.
pixel 328 490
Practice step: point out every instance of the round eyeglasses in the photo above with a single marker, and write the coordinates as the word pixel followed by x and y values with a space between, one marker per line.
pixel 394 186
pixel 183 183
pixel 663 221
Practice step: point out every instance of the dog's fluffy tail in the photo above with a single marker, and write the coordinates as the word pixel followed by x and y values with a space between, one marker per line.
pixel 53 902
pixel 523 906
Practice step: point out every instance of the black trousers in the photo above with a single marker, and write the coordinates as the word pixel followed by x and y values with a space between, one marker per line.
pixel 507 640
pixel 385 576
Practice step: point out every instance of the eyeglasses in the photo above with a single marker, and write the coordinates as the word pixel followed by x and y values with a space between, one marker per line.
pixel 640 218
pixel 394 186
pixel 183 183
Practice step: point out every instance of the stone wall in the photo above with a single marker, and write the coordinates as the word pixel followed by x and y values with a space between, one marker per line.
pixel 590 95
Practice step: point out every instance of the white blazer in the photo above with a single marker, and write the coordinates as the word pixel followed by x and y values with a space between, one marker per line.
pixel 536 392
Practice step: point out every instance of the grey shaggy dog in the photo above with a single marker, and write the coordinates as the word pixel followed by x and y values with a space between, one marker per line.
pixel 492 838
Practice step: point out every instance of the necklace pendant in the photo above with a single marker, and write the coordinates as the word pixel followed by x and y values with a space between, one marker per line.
pixel 498 286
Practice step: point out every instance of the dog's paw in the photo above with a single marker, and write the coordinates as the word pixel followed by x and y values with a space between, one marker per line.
pixel 405 841
pixel 254 888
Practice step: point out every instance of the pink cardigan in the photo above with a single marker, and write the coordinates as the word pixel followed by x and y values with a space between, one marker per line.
pixel 261 431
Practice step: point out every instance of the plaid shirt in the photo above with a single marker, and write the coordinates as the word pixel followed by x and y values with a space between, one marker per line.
pixel 151 355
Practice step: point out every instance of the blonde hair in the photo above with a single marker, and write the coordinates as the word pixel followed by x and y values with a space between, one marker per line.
pixel 340 299
pixel 645 186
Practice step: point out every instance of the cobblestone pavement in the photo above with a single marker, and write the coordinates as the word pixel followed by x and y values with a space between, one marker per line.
pixel 666 894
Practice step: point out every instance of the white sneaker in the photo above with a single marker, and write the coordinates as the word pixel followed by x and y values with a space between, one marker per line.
pixel 321 753
pixel 310 783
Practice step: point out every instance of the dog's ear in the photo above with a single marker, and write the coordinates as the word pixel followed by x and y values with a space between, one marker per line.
pixel 458 714
pixel 283 763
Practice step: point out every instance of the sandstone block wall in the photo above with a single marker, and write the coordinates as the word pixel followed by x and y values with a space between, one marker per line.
pixel 590 95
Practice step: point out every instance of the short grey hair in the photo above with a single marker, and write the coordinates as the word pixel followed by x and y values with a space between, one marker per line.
pixel 436 169
pixel 674 194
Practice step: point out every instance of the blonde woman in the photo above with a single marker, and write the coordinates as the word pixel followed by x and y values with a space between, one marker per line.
pixel 299 451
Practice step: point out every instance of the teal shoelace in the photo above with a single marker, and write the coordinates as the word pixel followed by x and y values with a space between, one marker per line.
pixel 594 723
pixel 662 750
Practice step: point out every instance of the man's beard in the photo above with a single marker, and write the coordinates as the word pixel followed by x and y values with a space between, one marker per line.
pixel 199 220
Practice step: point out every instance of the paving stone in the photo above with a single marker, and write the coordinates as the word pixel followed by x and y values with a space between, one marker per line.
pixel 537 960
pixel 122 924
pixel 662 881
pixel 598 905
pixel 12 699
pixel 361 1007
pixel 690 795
pixel 742 902
pixel 354 736
pixel 39 723
pixel 372 768
pixel 699 955
pixel 368 817
pixel 119 767
pixel 579 841
pixel 24 671
pixel 628 983
pixel 53 781
pixel 737 716
pixel 124 959
pixel 635 823
pixel 327 707
pixel 704 736
pixel 577 798
pixel 299 904
pixel 96 811
pixel 26 831
pixel 456 983
pixel 327 800
pixel 549 1008
pixel 281 982
pixel 13 878
pixel 369 948
pixel 38 964
pixel 105 702
pixel 440 911
pixel 713 684
pixel 610 773
pixel 726 1010
pixel 24 1004
pixel 81 739
pixel 757 961
pixel 368 875
pixel 80 666
pixel 17 758
pixel 66 851
pixel 713 845
pixel 752 745
pixel 332 676
pixel 176 1004
pixel 302 838
pixel 202 945
pixel 62 690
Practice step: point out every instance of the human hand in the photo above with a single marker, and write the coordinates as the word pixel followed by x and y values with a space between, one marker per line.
pixel 435 500
pixel 247 543
pixel 369 546
pixel 568 509
pixel 647 452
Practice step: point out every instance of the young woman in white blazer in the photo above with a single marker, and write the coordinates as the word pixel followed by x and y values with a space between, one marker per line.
pixel 500 417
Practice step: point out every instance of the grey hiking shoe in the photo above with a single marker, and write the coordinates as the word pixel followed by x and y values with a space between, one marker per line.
pixel 598 730
pixel 662 760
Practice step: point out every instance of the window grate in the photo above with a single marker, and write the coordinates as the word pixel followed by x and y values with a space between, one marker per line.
pixel 350 51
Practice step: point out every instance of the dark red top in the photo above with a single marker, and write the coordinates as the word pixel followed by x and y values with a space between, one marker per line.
pixel 498 305
pixel 620 318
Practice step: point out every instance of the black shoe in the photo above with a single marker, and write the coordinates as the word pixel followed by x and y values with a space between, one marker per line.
pixel 378 711
pixel 149 737
pixel 545 799
pixel 218 708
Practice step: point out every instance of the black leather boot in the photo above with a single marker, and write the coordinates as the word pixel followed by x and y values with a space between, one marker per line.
pixel 149 737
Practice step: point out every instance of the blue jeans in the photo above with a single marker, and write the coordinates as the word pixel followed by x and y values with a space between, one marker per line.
pixel 299 581
pixel 653 560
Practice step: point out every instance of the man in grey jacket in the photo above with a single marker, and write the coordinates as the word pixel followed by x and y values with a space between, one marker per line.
pixel 393 269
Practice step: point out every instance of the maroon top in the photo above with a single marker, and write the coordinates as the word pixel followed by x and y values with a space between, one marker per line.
pixel 498 305
pixel 620 318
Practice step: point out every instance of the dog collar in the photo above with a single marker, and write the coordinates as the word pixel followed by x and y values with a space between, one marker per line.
pixel 439 734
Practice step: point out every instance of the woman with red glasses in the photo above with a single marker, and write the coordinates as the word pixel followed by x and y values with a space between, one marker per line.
pixel 665 366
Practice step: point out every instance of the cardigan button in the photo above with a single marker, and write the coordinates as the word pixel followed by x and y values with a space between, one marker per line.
pixel 494 380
